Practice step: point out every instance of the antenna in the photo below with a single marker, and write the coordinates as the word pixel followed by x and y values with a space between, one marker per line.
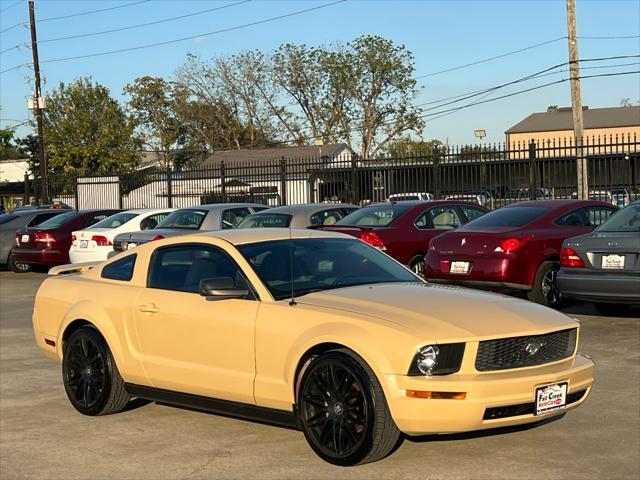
pixel 292 301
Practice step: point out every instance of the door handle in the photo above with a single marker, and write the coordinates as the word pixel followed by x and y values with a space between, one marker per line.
pixel 151 308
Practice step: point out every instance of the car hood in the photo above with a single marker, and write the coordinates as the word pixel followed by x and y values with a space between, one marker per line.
pixel 443 312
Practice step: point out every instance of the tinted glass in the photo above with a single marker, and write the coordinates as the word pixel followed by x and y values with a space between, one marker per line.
pixel 98 217
pixel 38 219
pixel 382 214
pixel 508 217
pixel 152 221
pixel 59 220
pixel 571 219
pixel 326 217
pixel 320 264
pixel 439 218
pixel 120 269
pixel 181 268
pixel 231 218
pixel 7 217
pixel 116 220
pixel 626 220
pixel 596 216
pixel 471 212
pixel 187 219
pixel 263 220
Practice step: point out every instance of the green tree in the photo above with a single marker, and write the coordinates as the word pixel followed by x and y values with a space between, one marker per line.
pixel 87 131
pixel 408 147
pixel 552 108
pixel 8 148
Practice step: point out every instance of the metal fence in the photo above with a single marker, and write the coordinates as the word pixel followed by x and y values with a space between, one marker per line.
pixel 491 175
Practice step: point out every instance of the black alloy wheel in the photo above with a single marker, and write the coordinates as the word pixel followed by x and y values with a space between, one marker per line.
pixel 342 410
pixel 90 376
pixel 545 290
pixel 17 267
pixel 417 265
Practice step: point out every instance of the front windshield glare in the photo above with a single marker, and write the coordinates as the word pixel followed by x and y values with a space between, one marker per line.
pixel 188 219
pixel 376 215
pixel 626 220
pixel 265 220
pixel 321 264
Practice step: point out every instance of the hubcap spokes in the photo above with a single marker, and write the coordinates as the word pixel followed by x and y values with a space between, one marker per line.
pixel 550 287
pixel 334 409
pixel 85 373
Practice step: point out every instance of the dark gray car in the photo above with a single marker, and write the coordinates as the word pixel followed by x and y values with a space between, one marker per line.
pixel 603 267
pixel 10 222
pixel 299 216
pixel 217 216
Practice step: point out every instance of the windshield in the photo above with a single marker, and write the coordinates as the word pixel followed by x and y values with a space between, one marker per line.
pixel 626 220
pixel 321 264
pixel 115 220
pixel 375 215
pixel 507 217
pixel 277 220
pixel 187 219
pixel 59 220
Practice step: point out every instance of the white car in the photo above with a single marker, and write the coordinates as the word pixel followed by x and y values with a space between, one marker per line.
pixel 405 197
pixel 94 243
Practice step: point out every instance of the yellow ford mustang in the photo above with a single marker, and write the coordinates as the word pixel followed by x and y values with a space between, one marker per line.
pixel 311 329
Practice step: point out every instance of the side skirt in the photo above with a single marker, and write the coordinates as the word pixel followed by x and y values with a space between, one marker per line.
pixel 271 416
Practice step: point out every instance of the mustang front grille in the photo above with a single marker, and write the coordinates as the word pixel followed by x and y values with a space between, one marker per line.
pixel 517 352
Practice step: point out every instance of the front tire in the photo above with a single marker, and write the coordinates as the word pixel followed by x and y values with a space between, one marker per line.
pixel 343 411
pixel 17 267
pixel 90 376
pixel 545 289
pixel 416 264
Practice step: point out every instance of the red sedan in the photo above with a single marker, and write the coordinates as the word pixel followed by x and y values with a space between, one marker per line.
pixel 516 247
pixel 48 243
pixel 403 229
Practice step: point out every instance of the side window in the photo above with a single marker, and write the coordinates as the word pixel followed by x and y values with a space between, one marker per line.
pixel 472 212
pixel 439 218
pixel 38 219
pixel 597 215
pixel 181 268
pixel 326 217
pixel 152 221
pixel 96 218
pixel 120 269
pixel 232 217
pixel 571 219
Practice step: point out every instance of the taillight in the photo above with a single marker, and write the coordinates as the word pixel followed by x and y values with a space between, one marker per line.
pixel 73 238
pixel 372 239
pixel 570 258
pixel 511 244
pixel 157 237
pixel 44 237
pixel 101 241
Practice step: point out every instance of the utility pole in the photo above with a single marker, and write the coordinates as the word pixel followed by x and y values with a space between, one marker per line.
pixel 38 104
pixel 576 101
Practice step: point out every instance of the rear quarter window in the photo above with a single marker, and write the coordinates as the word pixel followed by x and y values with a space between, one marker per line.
pixel 120 269
pixel 508 217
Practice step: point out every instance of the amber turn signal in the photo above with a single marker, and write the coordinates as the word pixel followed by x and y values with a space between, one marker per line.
pixel 437 395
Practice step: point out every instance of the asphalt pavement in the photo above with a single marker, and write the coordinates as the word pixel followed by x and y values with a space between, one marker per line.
pixel 42 436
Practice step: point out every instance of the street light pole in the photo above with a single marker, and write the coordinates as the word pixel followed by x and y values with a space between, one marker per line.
pixel 576 101
pixel 38 102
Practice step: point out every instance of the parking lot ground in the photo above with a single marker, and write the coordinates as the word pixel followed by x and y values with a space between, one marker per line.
pixel 42 436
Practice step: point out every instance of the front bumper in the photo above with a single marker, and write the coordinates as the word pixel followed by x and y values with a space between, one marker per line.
pixel 491 390
pixel 599 287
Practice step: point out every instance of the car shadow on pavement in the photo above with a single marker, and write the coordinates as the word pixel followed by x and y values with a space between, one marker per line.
pixel 135 403
pixel 481 433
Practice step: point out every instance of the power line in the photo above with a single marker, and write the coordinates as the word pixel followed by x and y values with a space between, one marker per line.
pixel 611 37
pixel 13 127
pixel 12 5
pixel 62 17
pixel 191 37
pixel 131 27
pixel 12 27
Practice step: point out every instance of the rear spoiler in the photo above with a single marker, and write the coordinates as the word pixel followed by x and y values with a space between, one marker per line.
pixel 73 268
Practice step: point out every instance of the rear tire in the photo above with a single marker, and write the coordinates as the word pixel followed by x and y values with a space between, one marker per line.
pixel 612 309
pixel 545 289
pixel 416 264
pixel 343 410
pixel 17 267
pixel 90 375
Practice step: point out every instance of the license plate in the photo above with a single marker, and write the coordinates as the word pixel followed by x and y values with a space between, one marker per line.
pixel 129 246
pixel 459 267
pixel 614 262
pixel 24 239
pixel 84 243
pixel 551 398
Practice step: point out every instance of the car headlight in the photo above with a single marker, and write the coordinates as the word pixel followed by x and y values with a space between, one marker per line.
pixel 437 359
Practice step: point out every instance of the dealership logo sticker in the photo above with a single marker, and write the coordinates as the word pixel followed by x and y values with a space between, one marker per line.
pixel 550 398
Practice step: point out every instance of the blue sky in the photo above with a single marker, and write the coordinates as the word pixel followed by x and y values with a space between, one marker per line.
pixel 441 34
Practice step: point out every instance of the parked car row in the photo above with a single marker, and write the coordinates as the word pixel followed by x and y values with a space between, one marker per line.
pixel 516 248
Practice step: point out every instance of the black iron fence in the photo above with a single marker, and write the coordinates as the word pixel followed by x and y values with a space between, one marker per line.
pixel 491 175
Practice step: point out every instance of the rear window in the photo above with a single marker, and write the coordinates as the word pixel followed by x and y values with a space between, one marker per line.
pixel 626 220
pixel 59 220
pixel 6 218
pixel 187 219
pixel 376 215
pixel 266 220
pixel 508 217
pixel 116 220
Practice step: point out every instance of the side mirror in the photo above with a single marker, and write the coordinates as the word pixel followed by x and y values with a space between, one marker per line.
pixel 222 288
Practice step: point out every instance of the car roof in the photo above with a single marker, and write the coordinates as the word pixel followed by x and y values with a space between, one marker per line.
pixel 38 211
pixel 556 203
pixel 148 210
pixel 215 206
pixel 254 235
pixel 306 207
